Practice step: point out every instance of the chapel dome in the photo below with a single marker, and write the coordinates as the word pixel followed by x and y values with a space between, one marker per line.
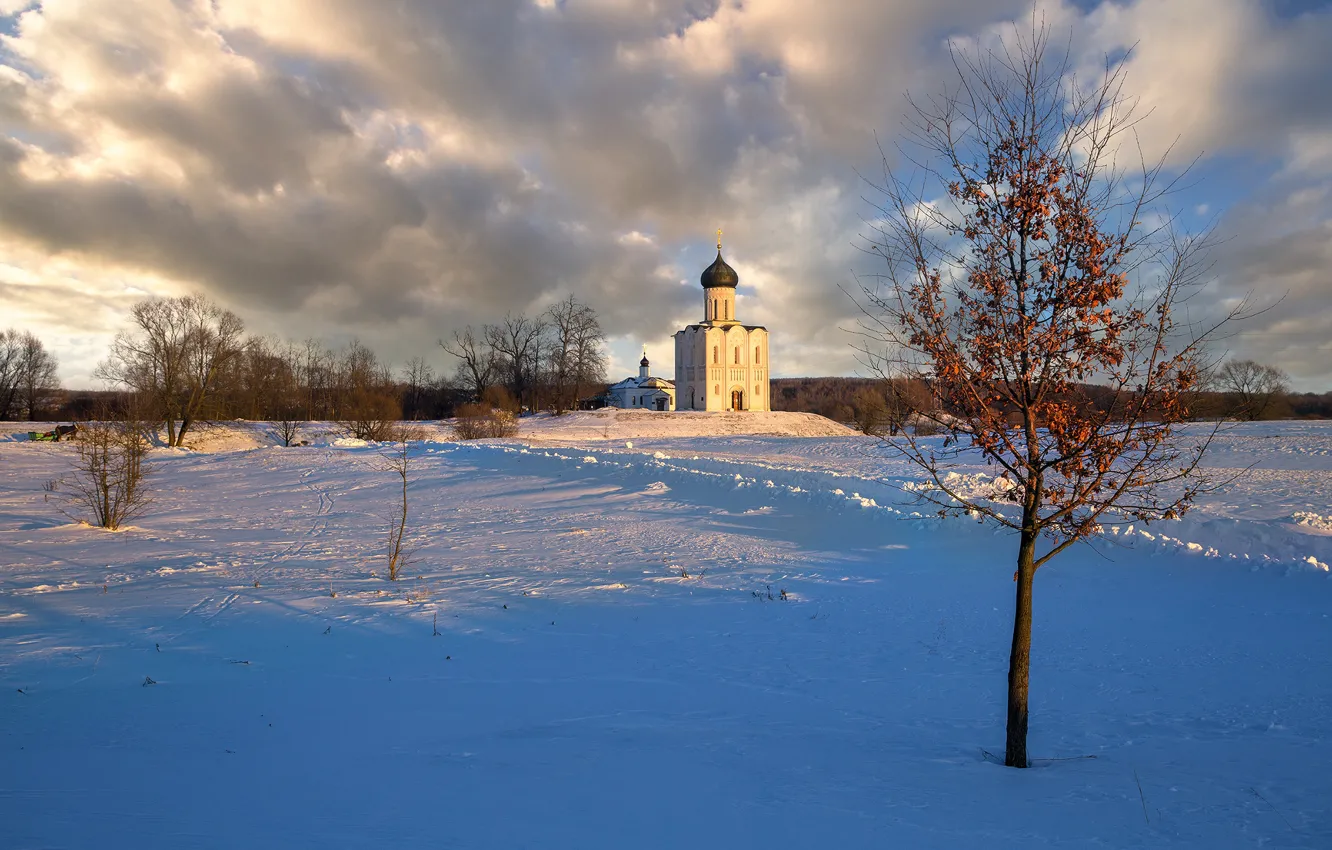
pixel 719 274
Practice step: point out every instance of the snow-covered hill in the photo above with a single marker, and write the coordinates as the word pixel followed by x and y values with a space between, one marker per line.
pixel 591 425
pixel 615 424
pixel 727 640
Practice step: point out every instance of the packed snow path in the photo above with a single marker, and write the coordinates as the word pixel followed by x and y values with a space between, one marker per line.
pixel 651 647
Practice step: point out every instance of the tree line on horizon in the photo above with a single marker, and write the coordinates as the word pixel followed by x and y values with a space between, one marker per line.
pixel 553 362
pixel 186 360
pixel 1242 390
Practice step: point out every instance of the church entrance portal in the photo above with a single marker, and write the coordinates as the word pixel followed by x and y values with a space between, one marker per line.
pixel 737 399
pixel 661 404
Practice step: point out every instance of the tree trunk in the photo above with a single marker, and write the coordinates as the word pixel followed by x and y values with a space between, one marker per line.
pixel 1019 659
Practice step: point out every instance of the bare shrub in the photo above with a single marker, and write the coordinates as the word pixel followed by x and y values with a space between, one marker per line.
pixel 371 416
pixel 871 411
pixel 481 421
pixel 409 433
pixel 107 484
pixel 923 427
pixel 500 398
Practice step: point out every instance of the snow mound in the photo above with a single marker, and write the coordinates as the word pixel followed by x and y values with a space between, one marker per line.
pixel 1314 521
pixel 609 424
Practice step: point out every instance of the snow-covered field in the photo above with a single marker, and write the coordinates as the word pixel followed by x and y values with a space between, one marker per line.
pixel 610 671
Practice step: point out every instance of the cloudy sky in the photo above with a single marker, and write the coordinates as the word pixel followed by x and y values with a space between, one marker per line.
pixel 396 169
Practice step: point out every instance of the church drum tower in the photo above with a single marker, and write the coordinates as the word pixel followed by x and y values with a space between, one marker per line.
pixel 721 364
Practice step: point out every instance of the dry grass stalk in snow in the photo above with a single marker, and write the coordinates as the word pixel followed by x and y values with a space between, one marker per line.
pixel 399 462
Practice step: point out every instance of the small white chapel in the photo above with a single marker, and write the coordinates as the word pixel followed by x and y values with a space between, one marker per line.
pixel 643 392
pixel 721 364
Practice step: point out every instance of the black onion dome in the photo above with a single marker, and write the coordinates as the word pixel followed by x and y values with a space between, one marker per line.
pixel 644 361
pixel 719 274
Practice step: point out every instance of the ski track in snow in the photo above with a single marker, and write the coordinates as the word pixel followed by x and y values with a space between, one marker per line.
pixel 611 671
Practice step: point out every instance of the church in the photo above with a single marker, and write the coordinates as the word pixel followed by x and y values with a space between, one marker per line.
pixel 721 364
pixel 644 392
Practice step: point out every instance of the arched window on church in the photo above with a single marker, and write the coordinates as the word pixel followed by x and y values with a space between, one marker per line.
pixel 716 389
pixel 716 354
pixel 756 355
pixel 737 355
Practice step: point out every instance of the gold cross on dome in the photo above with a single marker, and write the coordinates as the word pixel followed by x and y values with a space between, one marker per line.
pixel 719 239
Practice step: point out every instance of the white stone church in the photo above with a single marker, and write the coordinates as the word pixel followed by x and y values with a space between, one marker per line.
pixel 721 364
pixel 644 392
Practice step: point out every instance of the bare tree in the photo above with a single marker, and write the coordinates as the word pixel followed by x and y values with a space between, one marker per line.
pixel 287 426
pixel 262 379
pixel 315 370
pixel 27 374
pixel 367 406
pixel 476 361
pixel 11 358
pixel 418 376
pixel 589 356
pixel 517 344
pixel 175 358
pixel 1020 265
pixel 289 404
pixel 576 357
pixel 37 376
pixel 1253 388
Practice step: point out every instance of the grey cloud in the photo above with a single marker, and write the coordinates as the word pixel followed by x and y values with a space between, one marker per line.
pixel 1279 252
pixel 561 147
pixel 276 254
pixel 251 135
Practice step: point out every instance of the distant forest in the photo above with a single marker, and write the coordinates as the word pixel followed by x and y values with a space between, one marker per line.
pixel 859 402
pixel 862 402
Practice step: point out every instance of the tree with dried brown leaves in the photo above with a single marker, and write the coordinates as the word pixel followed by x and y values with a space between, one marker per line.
pixel 1022 263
